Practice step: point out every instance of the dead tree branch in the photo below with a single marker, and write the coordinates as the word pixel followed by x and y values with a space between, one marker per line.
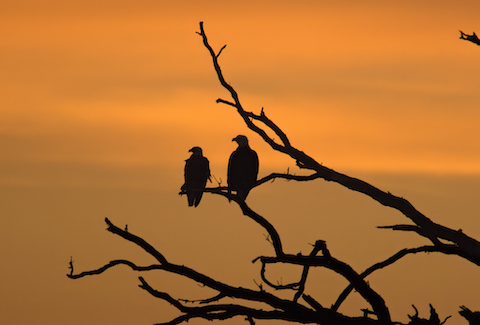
pixel 469 248
pixel 446 249
pixel 280 309
pixel 327 261
pixel 133 266
pixel 471 38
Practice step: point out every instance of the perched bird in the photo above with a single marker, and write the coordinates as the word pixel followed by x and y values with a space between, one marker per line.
pixel 197 172
pixel 242 168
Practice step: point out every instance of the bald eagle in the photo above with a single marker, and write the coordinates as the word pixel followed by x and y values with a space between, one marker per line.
pixel 242 168
pixel 197 172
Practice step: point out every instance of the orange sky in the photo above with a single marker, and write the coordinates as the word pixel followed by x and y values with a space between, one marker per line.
pixel 101 101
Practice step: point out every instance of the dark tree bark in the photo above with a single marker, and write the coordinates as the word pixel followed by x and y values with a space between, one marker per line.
pixel 303 308
pixel 473 317
pixel 471 38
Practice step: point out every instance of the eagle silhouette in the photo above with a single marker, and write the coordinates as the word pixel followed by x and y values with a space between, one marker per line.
pixel 242 168
pixel 197 172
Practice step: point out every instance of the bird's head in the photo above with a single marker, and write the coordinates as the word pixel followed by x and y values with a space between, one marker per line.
pixel 196 151
pixel 241 140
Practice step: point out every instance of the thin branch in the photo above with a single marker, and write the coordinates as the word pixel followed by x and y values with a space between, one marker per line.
pixel 225 102
pixel 115 263
pixel 413 228
pixel 232 91
pixel 216 298
pixel 289 177
pixel 219 52
pixel 293 286
pixel 163 295
pixel 446 249
pixel 275 128
pixel 319 245
pixel 71 266
pixel 137 240
pixel 275 237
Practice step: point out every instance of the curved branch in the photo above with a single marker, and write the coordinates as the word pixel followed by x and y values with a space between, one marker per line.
pixel 413 228
pixel 319 245
pixel 446 249
pixel 115 263
pixel 214 56
pixel 277 243
pixel 225 102
pixel 373 298
pixel 137 240
pixel 300 285
pixel 293 286
pixel 288 177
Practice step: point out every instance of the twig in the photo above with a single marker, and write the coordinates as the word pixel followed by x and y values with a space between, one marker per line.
pixel 71 266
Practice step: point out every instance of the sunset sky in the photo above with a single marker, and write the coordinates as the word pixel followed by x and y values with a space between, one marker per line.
pixel 101 101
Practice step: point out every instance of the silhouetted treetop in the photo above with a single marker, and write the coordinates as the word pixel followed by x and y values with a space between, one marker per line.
pixel 302 307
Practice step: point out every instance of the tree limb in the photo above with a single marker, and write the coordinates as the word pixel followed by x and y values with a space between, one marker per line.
pixel 446 249
pixel 471 38
pixel 327 261
pixel 469 248
pixel 224 289
pixel 137 240
pixel 115 263
pixel 282 309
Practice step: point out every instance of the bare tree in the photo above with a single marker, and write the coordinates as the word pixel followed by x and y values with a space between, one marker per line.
pixel 302 308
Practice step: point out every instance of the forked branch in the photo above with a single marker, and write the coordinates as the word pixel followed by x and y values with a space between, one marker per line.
pixel 446 249
pixel 468 247
pixel 280 309
pixel 471 38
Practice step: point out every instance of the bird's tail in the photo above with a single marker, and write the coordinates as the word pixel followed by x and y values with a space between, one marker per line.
pixel 197 199
pixel 242 193
pixel 191 198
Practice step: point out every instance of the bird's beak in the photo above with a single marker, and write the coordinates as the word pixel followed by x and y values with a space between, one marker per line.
pixel 191 150
pixel 234 139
